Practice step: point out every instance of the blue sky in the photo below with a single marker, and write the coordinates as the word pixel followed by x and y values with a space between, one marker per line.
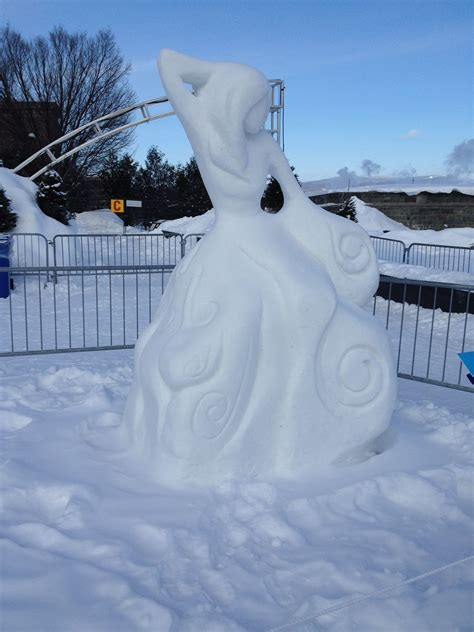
pixel 388 80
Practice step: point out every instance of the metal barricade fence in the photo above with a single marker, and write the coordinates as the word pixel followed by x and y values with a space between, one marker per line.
pixel 429 324
pixel 389 249
pixel 107 307
pixel 439 257
pixel 116 250
pixel 88 308
pixel 29 250
pixel 191 240
pixel 435 256
pixel 34 249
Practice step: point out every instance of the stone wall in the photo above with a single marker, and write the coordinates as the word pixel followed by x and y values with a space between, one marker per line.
pixel 425 210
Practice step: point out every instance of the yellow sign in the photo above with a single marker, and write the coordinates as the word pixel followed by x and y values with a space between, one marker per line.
pixel 117 206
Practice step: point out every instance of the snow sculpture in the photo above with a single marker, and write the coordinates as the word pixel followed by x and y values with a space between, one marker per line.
pixel 259 361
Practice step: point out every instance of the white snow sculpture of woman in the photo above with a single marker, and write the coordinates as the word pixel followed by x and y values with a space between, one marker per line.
pixel 259 361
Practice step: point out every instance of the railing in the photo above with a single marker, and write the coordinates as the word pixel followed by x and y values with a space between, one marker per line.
pixel 439 257
pixel 112 123
pixel 88 308
pixel 389 249
pixel 435 256
pixel 29 249
pixel 33 250
pixel 429 324
pixel 107 307
pixel 116 250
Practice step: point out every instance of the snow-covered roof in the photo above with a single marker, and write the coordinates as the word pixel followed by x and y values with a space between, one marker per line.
pixel 390 184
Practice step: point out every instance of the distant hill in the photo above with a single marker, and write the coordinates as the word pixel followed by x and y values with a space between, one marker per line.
pixel 409 185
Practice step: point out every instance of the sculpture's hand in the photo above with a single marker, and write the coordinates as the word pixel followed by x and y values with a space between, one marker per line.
pixel 172 64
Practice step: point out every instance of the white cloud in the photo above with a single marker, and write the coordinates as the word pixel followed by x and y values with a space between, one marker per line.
pixel 413 133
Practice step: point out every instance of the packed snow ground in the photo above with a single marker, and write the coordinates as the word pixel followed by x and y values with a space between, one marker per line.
pixel 89 543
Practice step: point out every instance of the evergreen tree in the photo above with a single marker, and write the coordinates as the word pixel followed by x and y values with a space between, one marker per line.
pixel 119 178
pixel 51 197
pixel 191 194
pixel 155 181
pixel 348 209
pixel 272 200
pixel 8 218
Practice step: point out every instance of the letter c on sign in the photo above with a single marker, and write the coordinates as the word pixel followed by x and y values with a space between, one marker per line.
pixel 117 206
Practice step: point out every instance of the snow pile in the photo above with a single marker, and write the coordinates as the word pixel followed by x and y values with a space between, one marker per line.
pixel 99 222
pixel 198 225
pixel 407 271
pixel 446 237
pixel 89 543
pixel 377 223
pixel 22 193
pixel 373 220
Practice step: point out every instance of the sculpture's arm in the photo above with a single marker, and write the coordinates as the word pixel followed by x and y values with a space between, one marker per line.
pixel 281 171
pixel 177 69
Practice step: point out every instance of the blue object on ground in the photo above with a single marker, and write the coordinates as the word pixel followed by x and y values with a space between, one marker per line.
pixel 5 244
pixel 468 360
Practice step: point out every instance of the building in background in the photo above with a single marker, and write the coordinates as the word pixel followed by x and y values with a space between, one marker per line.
pixel 26 127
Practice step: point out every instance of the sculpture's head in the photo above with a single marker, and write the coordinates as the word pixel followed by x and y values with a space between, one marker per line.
pixel 257 115
pixel 239 100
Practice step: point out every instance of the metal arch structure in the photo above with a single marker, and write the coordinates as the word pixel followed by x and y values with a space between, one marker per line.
pixel 275 121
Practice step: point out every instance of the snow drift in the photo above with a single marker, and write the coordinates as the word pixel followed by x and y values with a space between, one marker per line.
pixel 373 220
pixel 22 193
pixel 198 225
pixel 99 222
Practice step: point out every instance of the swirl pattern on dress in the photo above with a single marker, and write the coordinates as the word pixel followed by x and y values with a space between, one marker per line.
pixel 209 415
pixel 352 252
pixel 351 373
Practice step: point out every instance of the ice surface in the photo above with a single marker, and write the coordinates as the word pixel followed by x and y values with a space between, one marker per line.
pixel 259 362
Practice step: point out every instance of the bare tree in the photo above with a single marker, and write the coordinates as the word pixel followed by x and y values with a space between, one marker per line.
pixel 345 173
pixel 370 168
pixel 51 86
